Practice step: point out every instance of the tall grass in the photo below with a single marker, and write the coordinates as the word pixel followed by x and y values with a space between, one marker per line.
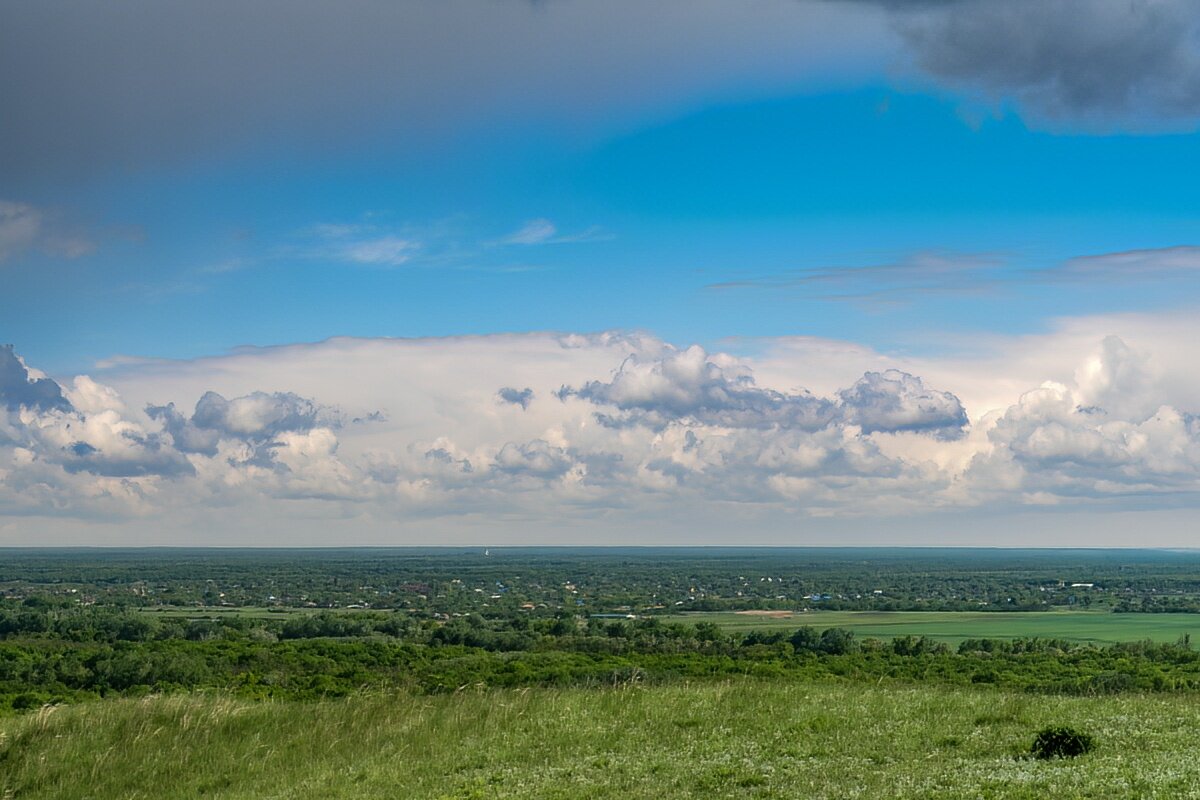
pixel 740 739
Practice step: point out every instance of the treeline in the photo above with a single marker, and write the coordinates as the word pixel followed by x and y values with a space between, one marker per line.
pixel 644 581
pixel 473 652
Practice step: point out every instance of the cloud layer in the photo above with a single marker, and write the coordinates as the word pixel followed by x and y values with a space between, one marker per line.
pixel 1093 64
pixel 135 84
pixel 603 424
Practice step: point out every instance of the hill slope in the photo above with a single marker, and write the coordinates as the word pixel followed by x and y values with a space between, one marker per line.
pixel 741 739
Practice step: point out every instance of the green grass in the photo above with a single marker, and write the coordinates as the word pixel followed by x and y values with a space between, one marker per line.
pixel 743 739
pixel 955 626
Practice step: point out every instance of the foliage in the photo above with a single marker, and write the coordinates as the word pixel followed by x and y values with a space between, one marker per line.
pixel 1061 741
pixel 644 580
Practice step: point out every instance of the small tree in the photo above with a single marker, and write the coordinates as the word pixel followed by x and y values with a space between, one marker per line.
pixel 837 641
pixel 805 640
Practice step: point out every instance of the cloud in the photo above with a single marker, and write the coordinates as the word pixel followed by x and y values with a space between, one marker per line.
pixel 933 273
pixel 688 384
pixel 896 401
pixel 254 418
pixel 90 435
pixel 23 227
pixel 135 85
pixel 535 231
pixel 516 397
pixel 922 272
pixel 543 231
pixel 1134 265
pixel 653 434
pixel 19 227
pixel 20 388
pixel 387 251
pixel 360 244
pixel 1050 445
pixel 188 437
pixel 538 458
pixel 1096 65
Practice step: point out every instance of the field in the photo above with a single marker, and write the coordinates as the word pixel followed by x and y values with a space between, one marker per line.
pixel 953 627
pixel 518 675
pixel 744 739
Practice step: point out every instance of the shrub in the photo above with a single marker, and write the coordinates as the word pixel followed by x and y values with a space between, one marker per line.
pixel 1061 742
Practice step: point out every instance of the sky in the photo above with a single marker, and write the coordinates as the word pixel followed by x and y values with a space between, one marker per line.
pixel 703 272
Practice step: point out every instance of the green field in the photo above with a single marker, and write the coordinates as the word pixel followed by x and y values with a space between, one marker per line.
pixel 744 739
pixel 953 627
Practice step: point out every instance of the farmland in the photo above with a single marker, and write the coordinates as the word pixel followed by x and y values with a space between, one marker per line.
pixel 954 627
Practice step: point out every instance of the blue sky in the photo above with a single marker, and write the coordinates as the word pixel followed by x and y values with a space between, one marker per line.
pixel 716 175
pixel 645 222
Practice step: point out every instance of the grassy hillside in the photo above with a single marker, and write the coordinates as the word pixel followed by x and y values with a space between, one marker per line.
pixel 740 739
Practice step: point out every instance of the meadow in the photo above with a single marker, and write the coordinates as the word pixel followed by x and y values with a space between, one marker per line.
pixel 740 738
pixel 954 627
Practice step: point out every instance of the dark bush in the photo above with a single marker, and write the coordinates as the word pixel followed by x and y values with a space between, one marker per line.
pixel 1061 742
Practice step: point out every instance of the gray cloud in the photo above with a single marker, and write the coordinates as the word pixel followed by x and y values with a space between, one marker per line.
pixel 922 272
pixel 934 273
pixel 99 444
pixel 687 384
pixel 257 415
pixel 188 437
pixel 18 388
pixel 517 397
pixel 1079 64
pixel 139 83
pixel 896 401
pixel 1161 262
pixel 537 458
pixel 20 225
pixel 256 418
pixel 136 84
pixel 145 455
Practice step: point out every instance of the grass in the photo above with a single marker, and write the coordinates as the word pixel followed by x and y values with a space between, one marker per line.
pixel 953 627
pixel 743 739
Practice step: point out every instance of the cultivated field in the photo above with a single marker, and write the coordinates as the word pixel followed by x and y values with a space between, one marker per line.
pixel 743 739
pixel 953 627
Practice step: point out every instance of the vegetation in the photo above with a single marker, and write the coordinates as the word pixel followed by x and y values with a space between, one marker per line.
pixel 745 739
pixel 562 674
pixel 599 580
pixel 954 627
pixel 84 654
pixel 1061 741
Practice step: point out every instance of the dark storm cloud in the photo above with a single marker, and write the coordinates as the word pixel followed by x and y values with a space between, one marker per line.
pixel 89 87
pixel 1076 64
pixel 134 84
